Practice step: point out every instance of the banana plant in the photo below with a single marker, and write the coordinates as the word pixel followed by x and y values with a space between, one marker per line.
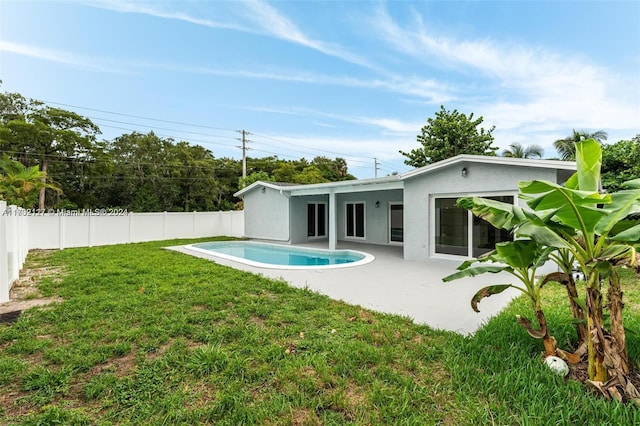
pixel 599 230
pixel 520 258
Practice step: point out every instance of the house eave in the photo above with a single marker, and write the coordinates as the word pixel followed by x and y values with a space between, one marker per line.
pixel 481 159
pixel 357 185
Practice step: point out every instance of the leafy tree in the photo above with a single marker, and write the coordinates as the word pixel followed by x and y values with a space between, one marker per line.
pixel 20 185
pixel 332 170
pixel 310 174
pixel 140 172
pixel 600 232
pixel 145 173
pixel 620 163
pixel 449 134
pixel 517 150
pixel 39 133
pixel 254 177
pixel 566 147
pixel 286 172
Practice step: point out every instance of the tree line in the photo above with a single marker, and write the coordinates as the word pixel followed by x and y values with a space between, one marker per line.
pixel 52 158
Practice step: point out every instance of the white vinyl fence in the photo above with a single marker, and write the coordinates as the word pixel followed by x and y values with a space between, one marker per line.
pixel 22 230
pixel 13 246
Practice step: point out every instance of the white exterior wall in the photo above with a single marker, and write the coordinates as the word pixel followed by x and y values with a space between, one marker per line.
pixel 480 179
pixel 299 217
pixel 58 231
pixel 376 218
pixel 266 214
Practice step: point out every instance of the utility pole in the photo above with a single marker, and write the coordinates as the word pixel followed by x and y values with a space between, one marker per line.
pixel 244 151
pixel 375 162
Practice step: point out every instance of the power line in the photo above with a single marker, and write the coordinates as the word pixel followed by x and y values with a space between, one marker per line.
pixel 141 117
pixel 351 158
pixel 160 128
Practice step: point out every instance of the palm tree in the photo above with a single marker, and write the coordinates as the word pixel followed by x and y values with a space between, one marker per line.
pixel 516 150
pixel 21 185
pixel 567 147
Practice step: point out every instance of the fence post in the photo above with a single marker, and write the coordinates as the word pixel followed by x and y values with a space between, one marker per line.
pixel 4 261
pixel 61 231
pixel 164 225
pixel 130 227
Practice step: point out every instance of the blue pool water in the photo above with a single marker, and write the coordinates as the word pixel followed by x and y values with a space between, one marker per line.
pixel 281 256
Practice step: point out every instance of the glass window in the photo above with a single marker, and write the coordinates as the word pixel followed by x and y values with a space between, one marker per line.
pixel 316 220
pixel 452 228
pixel 355 220
pixel 396 222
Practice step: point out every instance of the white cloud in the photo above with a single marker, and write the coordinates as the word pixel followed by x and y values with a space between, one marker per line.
pixel 157 10
pixel 85 62
pixel 392 126
pixel 265 18
pixel 520 88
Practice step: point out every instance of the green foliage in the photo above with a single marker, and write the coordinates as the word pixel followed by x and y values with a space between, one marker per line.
pixel 254 177
pixel 520 258
pixel 449 134
pixel 35 133
pixel 517 150
pixel 566 147
pixel 620 163
pixel 20 185
pixel 598 231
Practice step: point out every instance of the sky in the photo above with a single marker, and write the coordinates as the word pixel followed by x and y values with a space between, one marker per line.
pixel 350 79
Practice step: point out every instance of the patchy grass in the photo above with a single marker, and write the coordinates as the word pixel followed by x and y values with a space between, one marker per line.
pixel 150 336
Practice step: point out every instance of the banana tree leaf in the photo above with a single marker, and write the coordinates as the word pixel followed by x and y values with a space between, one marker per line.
pixel 572 182
pixel 548 195
pixel 521 254
pixel 486 292
pixel 500 215
pixel 615 253
pixel 630 235
pixel 623 225
pixel 487 257
pixel 581 302
pixel 476 270
pixel 542 235
pixel 574 208
pixel 633 184
pixel 588 163
pixel 623 203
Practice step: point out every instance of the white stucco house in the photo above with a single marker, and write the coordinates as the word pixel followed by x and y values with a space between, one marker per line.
pixel 415 210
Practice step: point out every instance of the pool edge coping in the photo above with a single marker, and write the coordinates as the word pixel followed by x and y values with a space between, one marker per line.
pixel 368 258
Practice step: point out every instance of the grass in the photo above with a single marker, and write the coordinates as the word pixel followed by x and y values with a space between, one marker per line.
pixel 150 336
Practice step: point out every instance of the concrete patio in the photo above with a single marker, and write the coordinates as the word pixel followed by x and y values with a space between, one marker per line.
pixel 391 284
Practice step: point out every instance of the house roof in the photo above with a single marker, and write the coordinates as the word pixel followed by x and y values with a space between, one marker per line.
pixel 396 181
pixel 506 161
pixel 388 182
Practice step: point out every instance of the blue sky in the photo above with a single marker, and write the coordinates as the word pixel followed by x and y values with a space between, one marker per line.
pixel 355 79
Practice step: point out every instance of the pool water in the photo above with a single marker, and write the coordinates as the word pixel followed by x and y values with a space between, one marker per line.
pixel 281 256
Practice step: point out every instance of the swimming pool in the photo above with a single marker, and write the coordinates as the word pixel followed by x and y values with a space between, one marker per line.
pixel 279 256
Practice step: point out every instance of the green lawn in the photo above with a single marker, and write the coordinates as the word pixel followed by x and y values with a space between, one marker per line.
pixel 151 336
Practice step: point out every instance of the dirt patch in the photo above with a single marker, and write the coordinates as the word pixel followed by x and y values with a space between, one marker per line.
pixel 24 293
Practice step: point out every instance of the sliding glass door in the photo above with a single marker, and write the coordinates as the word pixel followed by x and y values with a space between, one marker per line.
pixel 458 232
